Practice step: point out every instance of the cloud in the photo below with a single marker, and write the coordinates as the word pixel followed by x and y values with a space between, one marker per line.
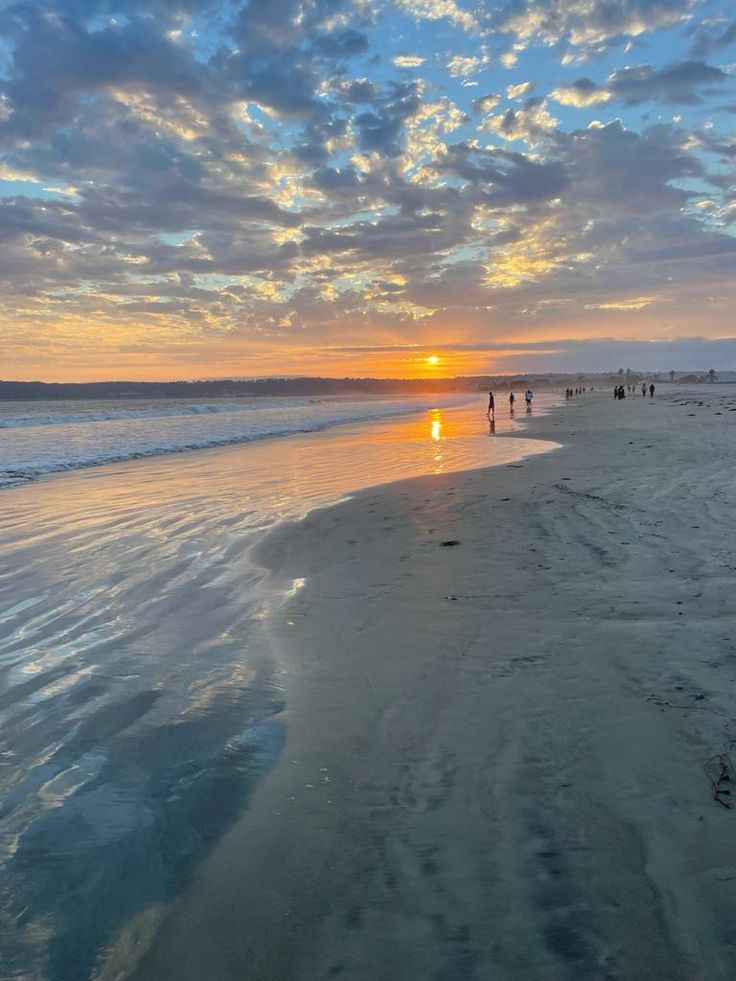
pixel 460 66
pixel 530 123
pixel 589 23
pixel 712 35
pixel 518 91
pixel 678 84
pixel 485 103
pixel 501 175
pixel 408 61
pixel 581 94
pixel 440 10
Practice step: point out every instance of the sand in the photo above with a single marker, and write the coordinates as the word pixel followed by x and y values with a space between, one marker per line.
pixel 497 750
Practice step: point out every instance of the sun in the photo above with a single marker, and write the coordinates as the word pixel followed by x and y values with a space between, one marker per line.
pixel 432 359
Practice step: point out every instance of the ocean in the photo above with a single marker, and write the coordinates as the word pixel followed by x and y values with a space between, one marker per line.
pixel 140 700
pixel 38 438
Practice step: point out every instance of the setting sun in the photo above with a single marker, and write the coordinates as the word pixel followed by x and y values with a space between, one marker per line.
pixel 432 359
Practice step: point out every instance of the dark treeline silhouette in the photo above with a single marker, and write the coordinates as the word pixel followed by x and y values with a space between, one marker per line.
pixel 234 387
pixel 316 386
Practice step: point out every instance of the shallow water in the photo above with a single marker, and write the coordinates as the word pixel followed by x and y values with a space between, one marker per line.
pixel 139 701
pixel 43 437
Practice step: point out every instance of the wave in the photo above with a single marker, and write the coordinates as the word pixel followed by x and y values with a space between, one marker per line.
pixel 159 412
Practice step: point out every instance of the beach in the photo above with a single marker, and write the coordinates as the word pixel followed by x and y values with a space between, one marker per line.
pixel 507 693
pixel 141 698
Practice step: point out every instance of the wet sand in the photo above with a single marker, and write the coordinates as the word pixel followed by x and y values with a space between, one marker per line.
pixel 503 689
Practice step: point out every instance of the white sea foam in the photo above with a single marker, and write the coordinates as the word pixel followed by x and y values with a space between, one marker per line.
pixel 46 437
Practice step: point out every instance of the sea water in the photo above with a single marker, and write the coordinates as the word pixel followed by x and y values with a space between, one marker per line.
pixel 44 437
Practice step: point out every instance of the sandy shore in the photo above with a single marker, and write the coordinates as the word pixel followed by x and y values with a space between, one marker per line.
pixel 497 749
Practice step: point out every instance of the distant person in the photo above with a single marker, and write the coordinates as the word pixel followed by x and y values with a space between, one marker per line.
pixel 621 392
pixel 512 399
pixel 616 392
pixel 529 396
pixel 491 405
pixel 643 390
pixel 651 391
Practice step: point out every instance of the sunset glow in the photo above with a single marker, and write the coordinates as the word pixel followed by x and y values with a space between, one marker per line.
pixel 196 190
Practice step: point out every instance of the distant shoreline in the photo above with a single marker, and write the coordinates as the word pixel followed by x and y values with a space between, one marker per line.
pixel 29 391
pixel 233 388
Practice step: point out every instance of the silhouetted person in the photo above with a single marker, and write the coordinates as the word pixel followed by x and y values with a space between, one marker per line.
pixel 643 390
pixel 651 391
pixel 529 396
pixel 491 405
pixel 512 399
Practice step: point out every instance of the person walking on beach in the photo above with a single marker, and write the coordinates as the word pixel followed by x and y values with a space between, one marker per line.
pixel 651 391
pixel 643 390
pixel 529 395
pixel 512 399
pixel 491 405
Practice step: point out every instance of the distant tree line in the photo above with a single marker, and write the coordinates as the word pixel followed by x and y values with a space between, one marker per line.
pixel 314 386
pixel 234 388
pixel 692 379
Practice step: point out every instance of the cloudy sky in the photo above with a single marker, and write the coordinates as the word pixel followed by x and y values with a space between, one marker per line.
pixel 192 188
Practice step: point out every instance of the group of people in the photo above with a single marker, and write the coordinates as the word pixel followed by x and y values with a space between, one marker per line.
pixel 528 398
pixel 619 392
pixel 572 392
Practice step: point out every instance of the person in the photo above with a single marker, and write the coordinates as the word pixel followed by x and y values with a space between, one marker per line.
pixel 643 390
pixel 529 395
pixel 616 392
pixel 651 391
pixel 512 399
pixel 491 405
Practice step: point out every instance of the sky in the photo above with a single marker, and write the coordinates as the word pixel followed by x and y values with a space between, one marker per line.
pixel 195 189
